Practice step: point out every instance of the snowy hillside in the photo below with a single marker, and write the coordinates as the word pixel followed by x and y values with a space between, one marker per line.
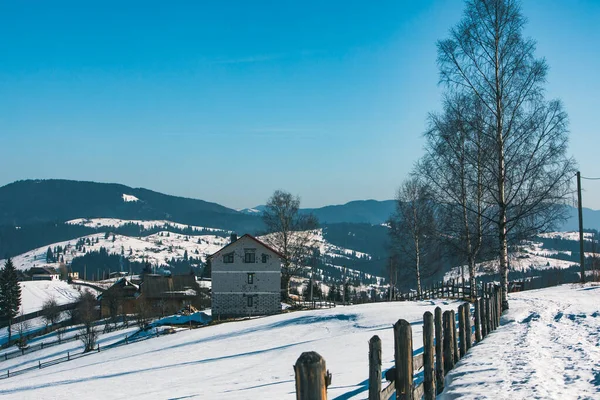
pixel 35 293
pixel 117 223
pixel 547 347
pixel 163 246
pixel 157 248
pixel 248 359
pixel 531 255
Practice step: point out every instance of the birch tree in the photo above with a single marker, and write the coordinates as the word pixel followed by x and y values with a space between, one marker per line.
pixel 412 226
pixel 291 233
pixel 453 167
pixel 528 171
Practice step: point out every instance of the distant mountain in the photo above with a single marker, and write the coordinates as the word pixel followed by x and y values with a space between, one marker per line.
pixel 591 220
pixel 54 200
pixel 359 212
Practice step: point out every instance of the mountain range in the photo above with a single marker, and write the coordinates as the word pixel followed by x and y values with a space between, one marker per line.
pixel 33 213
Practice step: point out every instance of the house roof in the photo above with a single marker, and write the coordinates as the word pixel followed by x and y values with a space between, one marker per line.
pixel 158 286
pixel 253 238
pixel 43 271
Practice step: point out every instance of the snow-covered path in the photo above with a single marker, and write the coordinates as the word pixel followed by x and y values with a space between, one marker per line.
pixel 548 347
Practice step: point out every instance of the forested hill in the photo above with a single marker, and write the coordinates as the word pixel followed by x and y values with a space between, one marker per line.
pixel 39 201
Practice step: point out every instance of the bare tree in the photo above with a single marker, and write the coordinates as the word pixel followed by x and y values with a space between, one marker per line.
pixel 87 315
pixel 23 328
pixel 453 167
pixel 412 227
pixel 527 173
pixel 142 313
pixel 50 311
pixel 291 233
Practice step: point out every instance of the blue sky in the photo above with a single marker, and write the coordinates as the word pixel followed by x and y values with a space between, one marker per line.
pixel 227 101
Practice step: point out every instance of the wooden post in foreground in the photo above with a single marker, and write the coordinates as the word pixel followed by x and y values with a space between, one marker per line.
pixel 488 319
pixel 455 338
pixel 439 358
pixel 428 353
pixel 448 342
pixel 311 377
pixel 404 360
pixel 462 334
pixel 477 321
pixel 468 329
pixel 374 368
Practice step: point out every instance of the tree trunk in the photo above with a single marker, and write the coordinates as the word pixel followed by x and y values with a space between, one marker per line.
pixel 418 268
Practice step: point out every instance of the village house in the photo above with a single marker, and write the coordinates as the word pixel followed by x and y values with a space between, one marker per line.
pixel 246 279
pixel 161 294
pixel 119 299
pixel 169 294
pixel 44 274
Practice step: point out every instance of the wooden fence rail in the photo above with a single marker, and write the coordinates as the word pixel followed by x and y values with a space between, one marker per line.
pixel 447 337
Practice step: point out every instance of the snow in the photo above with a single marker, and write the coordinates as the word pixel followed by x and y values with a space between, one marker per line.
pixel 129 198
pixel 567 235
pixel 35 293
pixel 156 248
pixel 116 223
pixel 548 347
pixel 246 359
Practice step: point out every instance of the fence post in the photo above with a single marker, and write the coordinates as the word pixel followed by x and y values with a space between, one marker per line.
pixel 439 358
pixel 484 331
pixel 454 337
pixel 462 345
pixel 428 353
pixel 312 377
pixel 499 305
pixel 39 364
pixel 98 347
pixel 488 316
pixel 448 342
pixel 404 360
pixel 68 356
pixel 374 368
pixel 468 329
pixel 477 321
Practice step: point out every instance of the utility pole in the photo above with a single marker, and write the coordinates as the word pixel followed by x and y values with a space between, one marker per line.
pixel 580 209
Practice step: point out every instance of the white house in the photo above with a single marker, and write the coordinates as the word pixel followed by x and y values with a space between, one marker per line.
pixel 246 279
pixel 44 274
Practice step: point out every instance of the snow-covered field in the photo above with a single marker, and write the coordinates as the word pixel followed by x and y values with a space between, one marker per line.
pixel 548 347
pixel 240 360
pixel 35 293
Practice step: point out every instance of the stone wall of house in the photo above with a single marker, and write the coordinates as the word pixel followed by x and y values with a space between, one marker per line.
pixel 233 283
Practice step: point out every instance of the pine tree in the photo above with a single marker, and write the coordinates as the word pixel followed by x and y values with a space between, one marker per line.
pixel 10 293
pixel 49 256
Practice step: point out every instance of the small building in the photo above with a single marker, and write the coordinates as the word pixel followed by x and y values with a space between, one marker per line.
pixel 167 294
pixel 119 299
pixel 246 279
pixel 44 274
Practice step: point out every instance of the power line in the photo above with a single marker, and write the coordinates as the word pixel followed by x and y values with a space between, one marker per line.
pixel 590 179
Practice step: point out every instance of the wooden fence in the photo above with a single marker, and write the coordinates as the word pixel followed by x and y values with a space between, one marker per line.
pixel 419 373
pixel 73 356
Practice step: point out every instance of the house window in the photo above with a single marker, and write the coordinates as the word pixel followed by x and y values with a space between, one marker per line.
pixel 250 278
pixel 265 258
pixel 250 302
pixel 228 258
pixel 249 256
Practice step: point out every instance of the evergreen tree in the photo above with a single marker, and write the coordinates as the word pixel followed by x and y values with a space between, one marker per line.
pixel 10 293
pixel 207 271
pixel 49 256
